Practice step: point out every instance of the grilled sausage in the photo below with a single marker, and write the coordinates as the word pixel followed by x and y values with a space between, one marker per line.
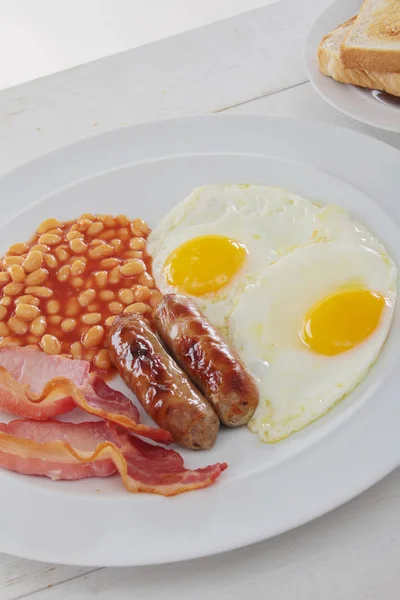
pixel 164 391
pixel 206 357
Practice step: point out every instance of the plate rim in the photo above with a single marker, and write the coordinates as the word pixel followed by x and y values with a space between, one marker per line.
pixel 323 84
pixel 244 120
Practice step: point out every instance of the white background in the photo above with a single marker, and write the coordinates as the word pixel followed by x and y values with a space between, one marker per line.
pixel 40 37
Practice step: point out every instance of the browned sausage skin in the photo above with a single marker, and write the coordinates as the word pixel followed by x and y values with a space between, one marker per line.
pixel 164 391
pixel 208 360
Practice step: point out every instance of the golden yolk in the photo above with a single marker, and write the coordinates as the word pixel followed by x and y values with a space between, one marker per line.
pixel 204 264
pixel 342 320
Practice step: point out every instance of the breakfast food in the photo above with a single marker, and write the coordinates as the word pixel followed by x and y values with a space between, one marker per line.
pixel 72 451
pixel 159 384
pixel 313 324
pixel 62 289
pixel 207 358
pixel 373 42
pixel 331 64
pixel 365 50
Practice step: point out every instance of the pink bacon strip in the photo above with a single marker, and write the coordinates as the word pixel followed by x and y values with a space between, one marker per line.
pixel 36 386
pixel 76 451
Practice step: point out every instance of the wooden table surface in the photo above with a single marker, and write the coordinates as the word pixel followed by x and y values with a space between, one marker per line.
pixel 251 63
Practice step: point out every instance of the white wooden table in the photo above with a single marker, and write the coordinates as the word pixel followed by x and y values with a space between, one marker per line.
pixel 249 63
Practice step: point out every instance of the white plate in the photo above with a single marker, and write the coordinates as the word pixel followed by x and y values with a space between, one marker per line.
pixel 144 171
pixel 369 106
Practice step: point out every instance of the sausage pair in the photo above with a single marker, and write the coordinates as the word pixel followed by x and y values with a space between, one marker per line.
pixel 225 390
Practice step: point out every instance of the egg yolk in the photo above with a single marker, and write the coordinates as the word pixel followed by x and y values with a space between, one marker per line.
pixel 204 264
pixel 341 321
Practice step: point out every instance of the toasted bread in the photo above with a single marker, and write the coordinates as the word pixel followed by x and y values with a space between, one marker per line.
pixel 373 43
pixel 331 64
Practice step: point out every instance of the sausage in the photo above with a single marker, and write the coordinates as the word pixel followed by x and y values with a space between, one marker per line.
pixel 208 360
pixel 164 391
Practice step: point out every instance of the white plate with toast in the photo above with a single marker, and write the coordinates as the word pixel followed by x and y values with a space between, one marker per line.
pixel 340 44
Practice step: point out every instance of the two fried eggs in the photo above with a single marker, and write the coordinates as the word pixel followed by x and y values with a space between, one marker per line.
pixel 304 294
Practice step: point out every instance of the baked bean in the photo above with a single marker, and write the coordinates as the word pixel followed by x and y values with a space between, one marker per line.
pixel 72 235
pixel 37 277
pixel 101 279
pixel 108 234
pixel 108 220
pixel 4 278
pixel 102 360
pixel 50 344
pixel 27 299
pixel 93 307
pixel 78 246
pixel 115 308
pixel 109 321
pixel 17 273
pixel 97 242
pixel 5 301
pixel 68 324
pixel 77 282
pixel 123 234
pixel 50 261
pixel 126 296
pixel 87 216
pixel 101 251
pixel 133 267
pixel 140 228
pixel 55 319
pixel 155 298
pixel 62 253
pixel 123 220
pixel 17 325
pixel 72 307
pixel 91 318
pixel 12 260
pixel 50 239
pixel 53 307
pixel 33 342
pixel 77 350
pixel 137 243
pixel 4 330
pixel 27 312
pixel 83 224
pixel 38 326
pixel 78 267
pixel 146 279
pixel 94 229
pixel 48 224
pixel 41 247
pixel 18 249
pixel 3 312
pixel 137 307
pixel 33 261
pixel 114 275
pixel 86 297
pixel 93 337
pixel 89 354
pixel 116 244
pixel 39 291
pixel 56 231
pixel 9 341
pixel 64 273
pixel 109 263
pixel 13 289
pixel 133 254
pixel 106 295
pixel 142 293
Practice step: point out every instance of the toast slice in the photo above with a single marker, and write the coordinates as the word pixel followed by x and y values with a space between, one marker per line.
pixel 373 43
pixel 331 64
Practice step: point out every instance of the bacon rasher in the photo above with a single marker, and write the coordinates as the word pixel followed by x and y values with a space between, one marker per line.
pixel 96 449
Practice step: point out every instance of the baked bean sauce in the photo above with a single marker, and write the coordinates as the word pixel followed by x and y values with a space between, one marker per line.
pixel 61 290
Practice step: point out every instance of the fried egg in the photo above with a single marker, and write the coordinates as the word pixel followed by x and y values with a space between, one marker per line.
pixel 310 328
